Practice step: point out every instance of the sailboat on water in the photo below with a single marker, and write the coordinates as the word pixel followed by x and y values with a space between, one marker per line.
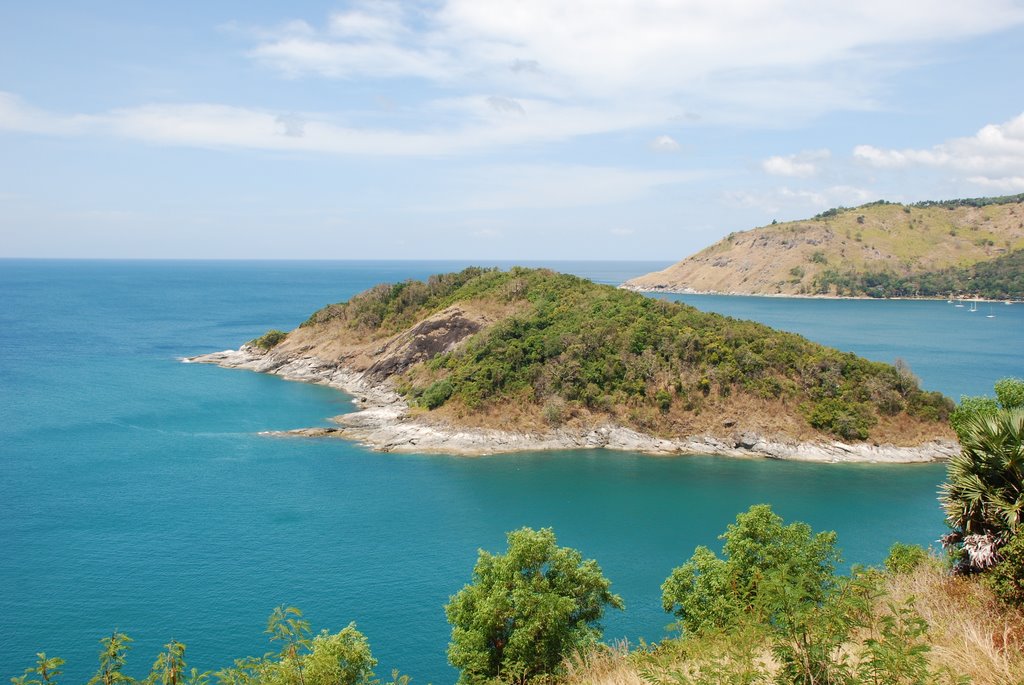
pixel 974 306
pixel 990 315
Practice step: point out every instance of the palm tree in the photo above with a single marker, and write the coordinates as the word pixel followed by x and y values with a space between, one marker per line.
pixel 984 494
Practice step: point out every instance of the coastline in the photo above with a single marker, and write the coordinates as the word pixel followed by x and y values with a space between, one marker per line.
pixel 797 296
pixel 383 422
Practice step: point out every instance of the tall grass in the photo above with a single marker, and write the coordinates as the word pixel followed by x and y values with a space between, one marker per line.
pixel 970 634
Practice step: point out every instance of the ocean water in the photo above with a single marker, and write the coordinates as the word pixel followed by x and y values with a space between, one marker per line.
pixel 136 494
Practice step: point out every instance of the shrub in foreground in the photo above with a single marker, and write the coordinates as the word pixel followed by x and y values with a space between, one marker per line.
pixel 341 658
pixel 1009 395
pixel 768 570
pixel 904 558
pixel 775 592
pixel 526 610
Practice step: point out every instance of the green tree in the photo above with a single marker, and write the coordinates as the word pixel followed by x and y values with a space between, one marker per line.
pixel 113 657
pixel 769 571
pixel 983 496
pixel 341 658
pixel 526 610
pixel 45 672
pixel 169 668
pixel 287 627
pixel 779 580
pixel 1009 395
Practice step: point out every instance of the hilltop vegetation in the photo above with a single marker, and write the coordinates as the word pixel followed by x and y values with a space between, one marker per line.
pixel 540 350
pixel 968 247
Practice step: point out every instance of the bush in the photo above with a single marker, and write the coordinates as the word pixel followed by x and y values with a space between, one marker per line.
pixel 526 610
pixel 554 411
pixel 904 558
pixel 969 408
pixel 437 394
pixel 1010 393
pixel 341 658
pixel 768 571
pixel 1006 578
pixel 664 400
pixel 270 339
pixel 848 420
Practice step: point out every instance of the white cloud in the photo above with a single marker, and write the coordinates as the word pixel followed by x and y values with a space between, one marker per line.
pixel 802 165
pixel 1008 184
pixel 664 144
pixel 492 74
pixel 994 155
pixel 773 55
pixel 482 123
pixel 622 232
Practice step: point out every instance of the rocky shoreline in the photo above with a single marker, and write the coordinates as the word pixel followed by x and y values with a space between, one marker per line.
pixel 671 290
pixel 385 423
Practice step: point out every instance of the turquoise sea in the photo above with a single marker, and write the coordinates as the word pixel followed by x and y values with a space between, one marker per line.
pixel 136 494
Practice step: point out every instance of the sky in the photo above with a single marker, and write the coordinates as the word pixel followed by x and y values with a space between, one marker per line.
pixel 490 129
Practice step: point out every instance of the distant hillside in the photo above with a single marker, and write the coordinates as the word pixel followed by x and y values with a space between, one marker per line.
pixel 535 350
pixel 971 247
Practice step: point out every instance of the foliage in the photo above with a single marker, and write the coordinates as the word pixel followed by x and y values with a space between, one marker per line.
pixel 999 279
pixel 775 590
pixel 391 307
pixel 1009 395
pixel 270 339
pixel 526 610
pixel 341 658
pixel 904 558
pixel 969 409
pixel 580 346
pixel 768 571
pixel 45 672
pixel 983 496
pixel 850 420
pixel 972 202
pixel 113 657
pixel 1006 578
pixel 898 653
pixel 437 394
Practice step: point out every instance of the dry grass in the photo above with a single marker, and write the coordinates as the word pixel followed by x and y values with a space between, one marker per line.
pixel 969 632
pixel 610 666
pixel 879 237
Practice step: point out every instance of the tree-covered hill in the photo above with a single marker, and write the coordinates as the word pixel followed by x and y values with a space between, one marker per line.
pixel 537 350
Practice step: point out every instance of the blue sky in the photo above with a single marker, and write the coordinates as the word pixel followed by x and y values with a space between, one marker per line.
pixel 538 129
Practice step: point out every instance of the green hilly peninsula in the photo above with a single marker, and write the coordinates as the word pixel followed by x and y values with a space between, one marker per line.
pixel 535 351
pixel 964 248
